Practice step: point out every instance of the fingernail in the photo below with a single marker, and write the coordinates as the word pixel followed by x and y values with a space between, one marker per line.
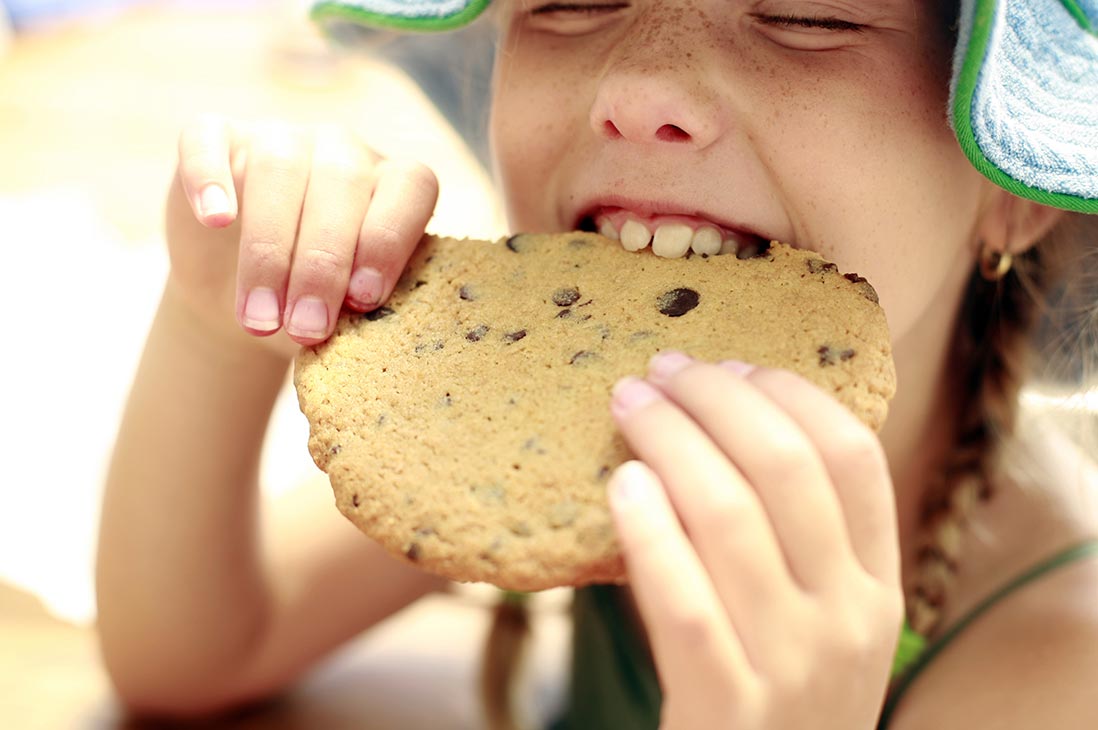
pixel 630 484
pixel 261 310
pixel 309 318
pixel 365 286
pixel 739 368
pixel 213 201
pixel 664 365
pixel 629 394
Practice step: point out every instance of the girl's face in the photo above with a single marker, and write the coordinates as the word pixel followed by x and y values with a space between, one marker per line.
pixel 820 123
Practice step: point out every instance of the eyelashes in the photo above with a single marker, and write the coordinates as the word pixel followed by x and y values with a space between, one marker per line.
pixel 795 21
pixel 578 8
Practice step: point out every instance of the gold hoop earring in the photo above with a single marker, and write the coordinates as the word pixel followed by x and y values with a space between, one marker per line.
pixel 994 265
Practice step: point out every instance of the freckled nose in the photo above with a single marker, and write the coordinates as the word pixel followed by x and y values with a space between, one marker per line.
pixel 647 110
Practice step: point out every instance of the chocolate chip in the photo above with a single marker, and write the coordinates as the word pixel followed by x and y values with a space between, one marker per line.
pixel 831 356
pixel 446 400
pixel 515 336
pixel 493 548
pixel 413 552
pixel 819 266
pixel 581 356
pixel 563 514
pixel 477 333
pixel 564 314
pixel 355 501
pixel 490 494
pixel 379 313
pixel 466 293
pixel 419 283
pixel 566 297
pixel 434 346
pixel 864 287
pixel 532 444
pixel 678 302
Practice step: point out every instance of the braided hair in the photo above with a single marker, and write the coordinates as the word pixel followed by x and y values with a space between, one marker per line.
pixel 1007 329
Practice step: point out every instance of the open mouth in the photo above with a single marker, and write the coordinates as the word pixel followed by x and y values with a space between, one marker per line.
pixel 671 235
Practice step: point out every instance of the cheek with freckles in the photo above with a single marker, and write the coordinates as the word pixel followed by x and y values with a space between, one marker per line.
pixel 538 117
pixel 871 174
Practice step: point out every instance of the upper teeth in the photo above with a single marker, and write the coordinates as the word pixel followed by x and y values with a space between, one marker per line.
pixel 673 240
pixel 634 236
pixel 706 241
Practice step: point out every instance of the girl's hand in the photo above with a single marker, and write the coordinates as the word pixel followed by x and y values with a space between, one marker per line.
pixel 761 543
pixel 272 227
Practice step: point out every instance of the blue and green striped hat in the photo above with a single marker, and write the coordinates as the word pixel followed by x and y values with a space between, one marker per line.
pixel 1023 99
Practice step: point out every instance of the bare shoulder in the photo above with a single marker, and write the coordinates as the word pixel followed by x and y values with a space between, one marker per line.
pixel 1030 662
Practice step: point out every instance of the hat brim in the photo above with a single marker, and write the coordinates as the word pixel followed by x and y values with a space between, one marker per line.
pixel 1024 100
pixel 410 15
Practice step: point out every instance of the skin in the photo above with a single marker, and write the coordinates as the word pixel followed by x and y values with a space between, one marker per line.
pixel 828 139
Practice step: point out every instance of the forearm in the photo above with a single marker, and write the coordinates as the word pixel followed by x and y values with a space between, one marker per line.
pixel 180 582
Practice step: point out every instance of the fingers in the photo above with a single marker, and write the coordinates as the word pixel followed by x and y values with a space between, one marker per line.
pixel 205 173
pixel 690 635
pixel 855 462
pixel 277 178
pixel 720 512
pixel 340 184
pixel 775 456
pixel 403 202
pixel 323 221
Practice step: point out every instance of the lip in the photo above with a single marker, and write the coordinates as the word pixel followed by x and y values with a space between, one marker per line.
pixel 649 209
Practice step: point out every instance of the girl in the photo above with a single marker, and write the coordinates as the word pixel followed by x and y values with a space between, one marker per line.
pixel 771 571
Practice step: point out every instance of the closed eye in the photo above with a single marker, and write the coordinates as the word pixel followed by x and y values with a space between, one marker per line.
pixel 796 22
pixel 578 8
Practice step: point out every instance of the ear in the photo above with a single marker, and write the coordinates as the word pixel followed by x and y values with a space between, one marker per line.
pixel 1010 224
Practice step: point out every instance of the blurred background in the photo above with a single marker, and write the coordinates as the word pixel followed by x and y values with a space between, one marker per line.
pixel 92 97
pixel 93 94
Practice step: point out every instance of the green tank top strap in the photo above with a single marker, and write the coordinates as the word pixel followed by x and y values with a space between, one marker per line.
pixel 614 682
pixel 924 657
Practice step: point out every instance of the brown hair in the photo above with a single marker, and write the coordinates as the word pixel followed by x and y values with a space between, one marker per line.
pixel 1026 326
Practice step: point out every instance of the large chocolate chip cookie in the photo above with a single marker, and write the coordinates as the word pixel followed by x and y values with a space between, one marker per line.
pixel 465 425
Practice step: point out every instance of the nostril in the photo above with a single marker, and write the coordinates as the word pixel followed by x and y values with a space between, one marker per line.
pixel 611 131
pixel 671 133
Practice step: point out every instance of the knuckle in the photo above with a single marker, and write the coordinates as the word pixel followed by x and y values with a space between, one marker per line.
pixel 415 174
pixel 724 509
pixel 692 626
pixel 382 236
pixel 263 251
pixel 320 264
pixel 860 448
pixel 344 173
pixel 790 461
pixel 280 149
